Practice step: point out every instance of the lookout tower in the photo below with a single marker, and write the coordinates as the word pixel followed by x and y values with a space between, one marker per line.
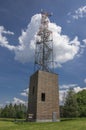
pixel 43 102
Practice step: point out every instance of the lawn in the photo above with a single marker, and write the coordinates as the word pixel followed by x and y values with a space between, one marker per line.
pixel 74 124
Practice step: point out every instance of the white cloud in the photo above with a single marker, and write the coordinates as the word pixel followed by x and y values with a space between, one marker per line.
pixel 67 86
pixel 84 41
pixel 62 92
pixel 80 12
pixel 62 96
pixel 25 92
pixel 18 101
pixel 85 80
pixel 64 89
pixel 25 52
pixel 64 48
pixel 7 102
pixel 78 89
pixel 2 30
pixel 3 40
pixel 82 47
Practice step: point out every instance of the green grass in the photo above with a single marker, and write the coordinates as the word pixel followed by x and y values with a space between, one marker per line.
pixel 74 124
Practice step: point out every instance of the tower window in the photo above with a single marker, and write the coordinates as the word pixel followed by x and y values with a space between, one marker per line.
pixel 33 89
pixel 43 97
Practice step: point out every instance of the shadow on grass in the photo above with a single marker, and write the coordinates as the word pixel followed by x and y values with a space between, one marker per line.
pixel 12 120
pixel 69 119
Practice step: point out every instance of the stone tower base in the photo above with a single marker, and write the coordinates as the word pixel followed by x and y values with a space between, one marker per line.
pixel 43 97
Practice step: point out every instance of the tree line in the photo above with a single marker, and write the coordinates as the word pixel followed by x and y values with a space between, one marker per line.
pixel 74 104
pixel 13 111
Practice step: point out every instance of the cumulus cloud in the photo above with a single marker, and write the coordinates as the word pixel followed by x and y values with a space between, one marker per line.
pixel 25 92
pixel 64 89
pixel 80 12
pixel 64 48
pixel 78 89
pixel 25 52
pixel 18 101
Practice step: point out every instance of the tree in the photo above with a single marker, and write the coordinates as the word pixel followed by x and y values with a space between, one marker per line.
pixel 70 105
pixel 13 111
pixel 81 100
pixel 5 111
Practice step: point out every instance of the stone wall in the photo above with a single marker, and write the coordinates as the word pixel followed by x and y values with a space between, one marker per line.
pixel 43 97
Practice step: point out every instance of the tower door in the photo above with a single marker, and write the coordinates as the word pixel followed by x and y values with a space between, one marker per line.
pixel 54 117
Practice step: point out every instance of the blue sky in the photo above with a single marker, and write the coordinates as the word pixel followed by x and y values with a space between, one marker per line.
pixel 15 15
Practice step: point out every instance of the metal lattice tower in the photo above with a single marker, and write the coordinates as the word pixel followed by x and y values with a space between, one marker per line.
pixel 44 46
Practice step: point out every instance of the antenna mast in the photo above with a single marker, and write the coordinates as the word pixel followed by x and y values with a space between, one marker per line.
pixel 44 46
